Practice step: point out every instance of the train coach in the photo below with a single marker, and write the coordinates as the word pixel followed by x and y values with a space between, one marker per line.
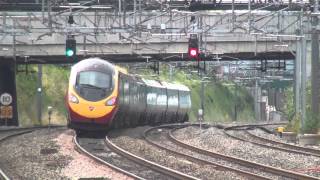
pixel 101 96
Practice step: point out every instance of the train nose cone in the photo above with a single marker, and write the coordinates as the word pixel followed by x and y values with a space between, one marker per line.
pixel 91 108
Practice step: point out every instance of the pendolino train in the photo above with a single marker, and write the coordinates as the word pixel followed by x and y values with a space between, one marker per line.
pixel 101 95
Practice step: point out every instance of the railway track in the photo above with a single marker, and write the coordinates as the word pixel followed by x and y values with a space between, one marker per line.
pixel 228 163
pixel 191 155
pixel 259 141
pixel 6 134
pixel 311 151
pixel 251 126
pixel 107 153
pixel 10 133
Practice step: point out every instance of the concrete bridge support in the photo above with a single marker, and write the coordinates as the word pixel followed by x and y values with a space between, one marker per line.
pixel 315 65
pixel 8 94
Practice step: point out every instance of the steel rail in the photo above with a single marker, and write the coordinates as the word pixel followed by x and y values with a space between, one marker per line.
pixel 271 147
pixel 99 160
pixel 21 130
pixel 2 139
pixel 270 169
pixel 3 175
pixel 294 148
pixel 237 127
pixel 30 128
pixel 194 159
pixel 156 167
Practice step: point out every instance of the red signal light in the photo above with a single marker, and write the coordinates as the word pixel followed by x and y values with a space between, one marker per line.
pixel 193 52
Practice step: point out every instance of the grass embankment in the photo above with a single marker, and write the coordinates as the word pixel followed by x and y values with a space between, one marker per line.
pixel 219 100
pixel 311 121
pixel 54 81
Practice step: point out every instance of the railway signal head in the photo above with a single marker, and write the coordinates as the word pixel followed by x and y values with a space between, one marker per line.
pixel 70 48
pixel 70 19
pixel 69 52
pixel 193 53
pixel 193 47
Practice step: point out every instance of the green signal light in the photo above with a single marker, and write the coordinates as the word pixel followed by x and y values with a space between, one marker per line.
pixel 69 52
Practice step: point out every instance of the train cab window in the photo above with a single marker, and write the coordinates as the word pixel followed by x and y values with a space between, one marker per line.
pixel 173 99
pixel 184 98
pixel 151 96
pixel 93 85
pixel 94 79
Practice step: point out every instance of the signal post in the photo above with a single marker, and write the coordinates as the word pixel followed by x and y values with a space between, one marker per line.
pixel 195 55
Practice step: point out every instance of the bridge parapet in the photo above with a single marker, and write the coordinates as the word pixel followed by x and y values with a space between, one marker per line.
pixel 150 32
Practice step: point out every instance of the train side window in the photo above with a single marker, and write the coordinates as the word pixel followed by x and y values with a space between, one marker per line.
pixel 189 95
pixel 120 90
pixel 172 98
pixel 188 98
pixel 139 93
pixel 143 94
pixel 133 93
pixel 151 96
pixel 184 98
pixel 158 94
pixel 164 96
pixel 161 98
pixel 126 92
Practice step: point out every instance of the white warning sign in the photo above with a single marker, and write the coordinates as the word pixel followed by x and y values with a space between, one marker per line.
pixel 5 99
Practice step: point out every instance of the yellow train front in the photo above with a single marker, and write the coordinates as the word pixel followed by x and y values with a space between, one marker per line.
pixel 92 94
pixel 101 95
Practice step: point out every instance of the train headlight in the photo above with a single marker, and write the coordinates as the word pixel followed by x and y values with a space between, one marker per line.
pixel 111 101
pixel 73 99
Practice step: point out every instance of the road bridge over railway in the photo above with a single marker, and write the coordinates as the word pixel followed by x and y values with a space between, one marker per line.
pixel 28 36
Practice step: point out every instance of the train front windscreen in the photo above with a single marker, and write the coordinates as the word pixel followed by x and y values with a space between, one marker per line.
pixel 93 85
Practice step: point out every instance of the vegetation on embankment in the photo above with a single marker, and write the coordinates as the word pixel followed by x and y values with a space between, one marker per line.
pixel 312 121
pixel 54 82
pixel 219 99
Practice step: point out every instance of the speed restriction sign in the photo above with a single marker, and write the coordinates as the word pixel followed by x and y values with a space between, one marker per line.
pixel 5 99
